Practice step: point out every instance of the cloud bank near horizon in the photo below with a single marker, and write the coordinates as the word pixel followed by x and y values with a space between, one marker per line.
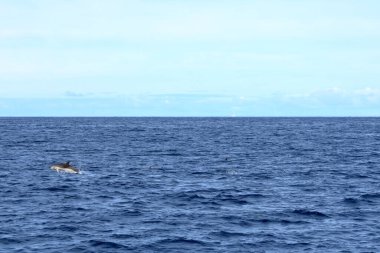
pixel 330 102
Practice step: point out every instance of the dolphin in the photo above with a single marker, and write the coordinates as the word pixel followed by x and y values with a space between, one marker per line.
pixel 64 167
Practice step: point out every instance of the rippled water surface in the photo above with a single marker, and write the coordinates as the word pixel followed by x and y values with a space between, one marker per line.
pixel 190 185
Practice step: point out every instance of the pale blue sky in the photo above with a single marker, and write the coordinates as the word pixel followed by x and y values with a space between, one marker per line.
pixel 190 58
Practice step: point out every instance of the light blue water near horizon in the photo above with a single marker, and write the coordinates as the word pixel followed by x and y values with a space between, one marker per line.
pixel 190 185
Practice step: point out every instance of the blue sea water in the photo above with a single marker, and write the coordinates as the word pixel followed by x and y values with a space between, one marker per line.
pixel 190 185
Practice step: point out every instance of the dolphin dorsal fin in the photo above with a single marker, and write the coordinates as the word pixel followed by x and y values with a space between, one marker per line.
pixel 67 163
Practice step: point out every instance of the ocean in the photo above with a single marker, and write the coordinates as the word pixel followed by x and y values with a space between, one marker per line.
pixel 190 185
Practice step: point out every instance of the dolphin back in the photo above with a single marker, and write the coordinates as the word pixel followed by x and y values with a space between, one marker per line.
pixel 64 167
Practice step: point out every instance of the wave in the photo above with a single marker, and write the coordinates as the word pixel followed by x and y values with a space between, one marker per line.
pixel 243 221
pixel 371 196
pixel 235 201
pixel 310 213
pixel 240 199
pixel 6 241
pixel 180 240
pixel 62 188
pixel 228 234
pixel 136 130
pixel 278 221
pixel 351 200
pixel 106 244
pixel 122 236
pixel 64 228
pixel 364 198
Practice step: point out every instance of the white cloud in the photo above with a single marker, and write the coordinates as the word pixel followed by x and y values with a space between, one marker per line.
pixel 369 94
pixel 368 91
pixel 336 97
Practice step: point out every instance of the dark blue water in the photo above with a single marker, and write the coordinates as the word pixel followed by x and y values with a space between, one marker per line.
pixel 190 185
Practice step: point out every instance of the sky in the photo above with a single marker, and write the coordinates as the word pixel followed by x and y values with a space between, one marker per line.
pixel 190 58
